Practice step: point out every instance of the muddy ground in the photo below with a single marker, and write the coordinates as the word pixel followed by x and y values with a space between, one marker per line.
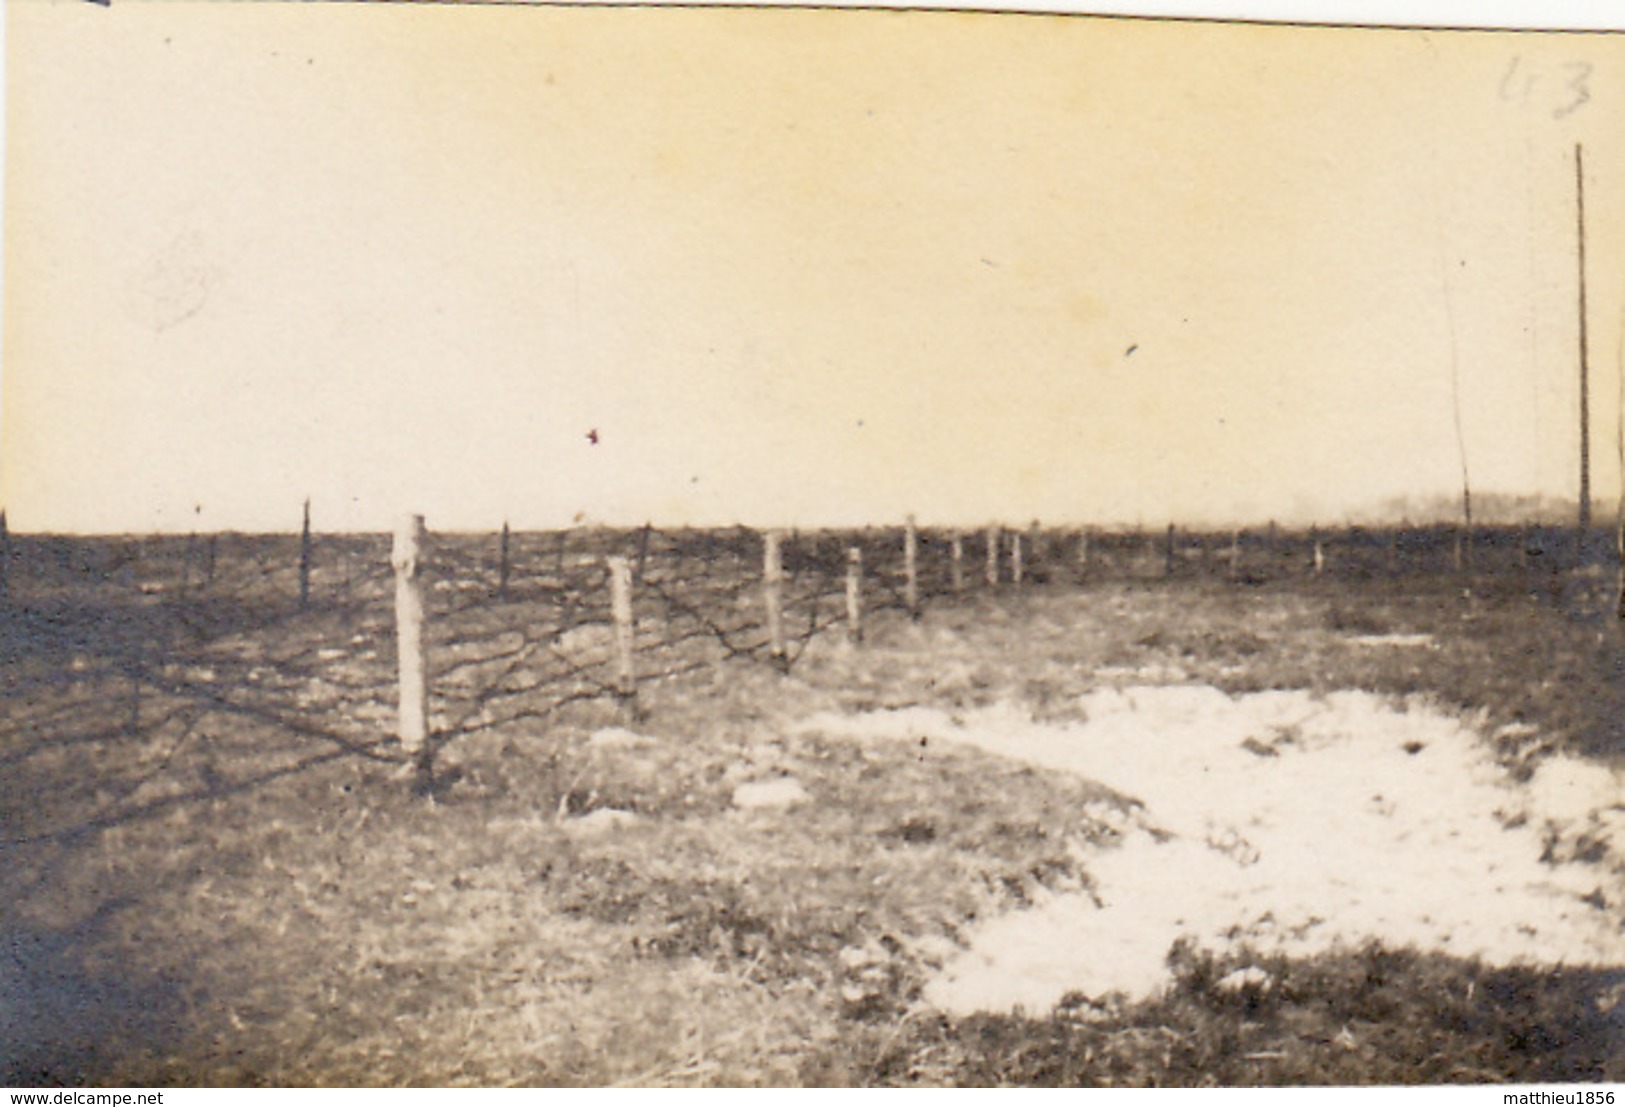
pixel 218 870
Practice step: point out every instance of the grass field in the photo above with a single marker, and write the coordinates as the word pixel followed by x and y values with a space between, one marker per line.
pixel 217 870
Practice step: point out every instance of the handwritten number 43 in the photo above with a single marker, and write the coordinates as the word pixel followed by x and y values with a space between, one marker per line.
pixel 1520 82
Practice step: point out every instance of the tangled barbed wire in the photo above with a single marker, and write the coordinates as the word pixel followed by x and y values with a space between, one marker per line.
pixel 262 660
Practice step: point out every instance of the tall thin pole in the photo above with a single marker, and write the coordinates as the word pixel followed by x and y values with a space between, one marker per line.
pixel 1585 381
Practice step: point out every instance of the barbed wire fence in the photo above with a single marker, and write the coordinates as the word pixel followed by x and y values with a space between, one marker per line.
pixel 259 656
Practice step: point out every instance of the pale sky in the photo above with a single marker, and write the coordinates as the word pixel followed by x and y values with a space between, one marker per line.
pixel 793 267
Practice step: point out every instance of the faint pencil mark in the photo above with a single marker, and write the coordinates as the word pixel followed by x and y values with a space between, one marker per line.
pixel 1507 93
pixel 1579 85
pixel 174 286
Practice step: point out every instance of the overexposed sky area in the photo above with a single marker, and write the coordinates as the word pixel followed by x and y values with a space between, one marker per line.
pixel 791 267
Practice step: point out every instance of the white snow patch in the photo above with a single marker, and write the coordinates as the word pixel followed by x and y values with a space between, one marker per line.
pixel 1391 639
pixel 784 792
pixel 1370 821
pixel 619 738
pixel 602 821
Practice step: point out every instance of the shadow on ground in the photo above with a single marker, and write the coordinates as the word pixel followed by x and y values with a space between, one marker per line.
pixel 68 1012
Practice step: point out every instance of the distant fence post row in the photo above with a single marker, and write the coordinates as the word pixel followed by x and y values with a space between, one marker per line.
pixel 408 558
pixel 932 564
pixel 1011 555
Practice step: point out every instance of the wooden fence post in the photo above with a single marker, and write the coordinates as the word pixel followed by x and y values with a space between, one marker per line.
pixel 209 557
pixel 956 562
pixel 911 568
pixel 1235 554
pixel 1083 551
pixel 1036 550
pixel 854 595
pixel 620 602
pixel 132 721
pixel 993 555
pixel 502 568
pixel 643 549
pixel 1168 552
pixel 5 559
pixel 773 596
pixel 1619 550
pixel 304 558
pixel 1015 557
pixel 407 560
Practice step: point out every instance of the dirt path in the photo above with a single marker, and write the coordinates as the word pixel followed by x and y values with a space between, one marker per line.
pixel 1291 822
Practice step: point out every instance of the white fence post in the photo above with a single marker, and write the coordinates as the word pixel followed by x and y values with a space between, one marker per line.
pixel 1015 557
pixel 407 560
pixel 993 555
pixel 5 559
pixel 911 568
pixel 773 596
pixel 620 601
pixel 854 595
pixel 956 562
pixel 643 550
pixel 304 557
pixel 502 569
